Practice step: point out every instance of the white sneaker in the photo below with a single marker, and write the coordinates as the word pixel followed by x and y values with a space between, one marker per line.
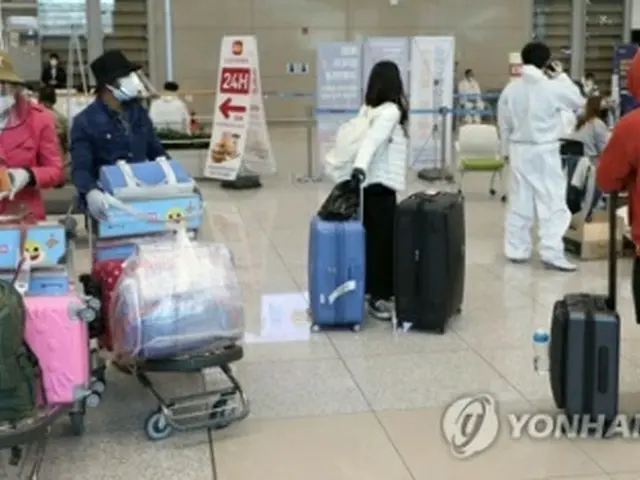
pixel 380 310
pixel 561 265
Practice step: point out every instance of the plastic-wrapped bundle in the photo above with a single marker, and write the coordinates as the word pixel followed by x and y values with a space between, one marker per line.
pixel 174 298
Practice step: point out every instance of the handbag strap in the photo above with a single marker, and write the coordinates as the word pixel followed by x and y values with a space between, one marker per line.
pixel 169 174
pixel 132 181
pixel 127 172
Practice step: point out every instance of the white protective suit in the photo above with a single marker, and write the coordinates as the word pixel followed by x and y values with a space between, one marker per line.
pixel 529 121
pixel 471 98
pixel 171 113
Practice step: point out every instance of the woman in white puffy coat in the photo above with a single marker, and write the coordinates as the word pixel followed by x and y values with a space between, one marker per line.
pixel 381 167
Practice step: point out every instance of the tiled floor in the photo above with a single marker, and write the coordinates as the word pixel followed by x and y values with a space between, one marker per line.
pixel 345 406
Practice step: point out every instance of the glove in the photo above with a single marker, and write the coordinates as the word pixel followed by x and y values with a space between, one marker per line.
pixel 357 177
pixel 19 178
pixel 97 204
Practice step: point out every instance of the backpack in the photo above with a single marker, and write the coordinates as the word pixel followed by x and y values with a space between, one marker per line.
pixel 18 366
pixel 339 160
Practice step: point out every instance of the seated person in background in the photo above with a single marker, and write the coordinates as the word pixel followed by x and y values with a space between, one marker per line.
pixel 48 98
pixel 470 96
pixel 169 112
pixel 115 126
pixel 593 134
pixel 29 147
pixel 618 168
pixel 590 129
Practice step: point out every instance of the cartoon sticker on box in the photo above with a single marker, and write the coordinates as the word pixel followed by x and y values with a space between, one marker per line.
pixel 175 215
pixel 34 251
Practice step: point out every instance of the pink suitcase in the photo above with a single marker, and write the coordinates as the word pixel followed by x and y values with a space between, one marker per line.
pixel 57 332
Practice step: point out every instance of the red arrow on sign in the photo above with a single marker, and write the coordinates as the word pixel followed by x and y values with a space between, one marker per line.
pixel 226 108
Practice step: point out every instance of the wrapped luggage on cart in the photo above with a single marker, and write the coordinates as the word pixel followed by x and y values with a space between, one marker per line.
pixel 173 298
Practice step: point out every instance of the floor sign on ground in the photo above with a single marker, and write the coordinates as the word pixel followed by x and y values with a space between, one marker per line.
pixel 239 137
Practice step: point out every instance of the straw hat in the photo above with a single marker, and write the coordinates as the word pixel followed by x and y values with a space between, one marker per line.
pixel 7 72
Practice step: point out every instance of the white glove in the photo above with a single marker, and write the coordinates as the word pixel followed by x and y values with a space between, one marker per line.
pixel 97 204
pixel 19 178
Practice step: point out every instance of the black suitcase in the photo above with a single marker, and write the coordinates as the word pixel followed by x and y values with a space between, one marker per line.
pixel 429 259
pixel 584 349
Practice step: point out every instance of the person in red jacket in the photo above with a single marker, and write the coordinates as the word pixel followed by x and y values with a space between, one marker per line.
pixel 29 147
pixel 618 168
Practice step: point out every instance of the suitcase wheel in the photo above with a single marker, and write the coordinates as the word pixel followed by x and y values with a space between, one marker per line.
pixel 315 328
pixel 356 328
pixel 97 386
pixel 93 303
pixel 492 192
pixel 93 399
pixel 76 419
pixel 503 199
pixel 157 427
pixel 222 413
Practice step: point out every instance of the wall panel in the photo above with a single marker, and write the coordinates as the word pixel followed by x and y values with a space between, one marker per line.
pixel 289 31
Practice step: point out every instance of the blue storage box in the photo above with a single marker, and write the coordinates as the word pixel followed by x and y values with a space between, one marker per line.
pixel 143 180
pixel 44 282
pixel 120 249
pixel 170 330
pixel 162 213
pixel 46 245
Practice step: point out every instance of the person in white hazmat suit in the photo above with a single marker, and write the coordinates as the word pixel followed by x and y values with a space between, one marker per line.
pixel 529 117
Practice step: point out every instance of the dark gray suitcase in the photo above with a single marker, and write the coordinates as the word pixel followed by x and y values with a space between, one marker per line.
pixel 429 259
pixel 584 350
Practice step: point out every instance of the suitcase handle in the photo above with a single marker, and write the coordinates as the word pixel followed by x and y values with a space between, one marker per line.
pixel 613 258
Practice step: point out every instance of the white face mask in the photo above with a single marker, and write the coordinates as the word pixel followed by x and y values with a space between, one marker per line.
pixel 129 88
pixel 6 102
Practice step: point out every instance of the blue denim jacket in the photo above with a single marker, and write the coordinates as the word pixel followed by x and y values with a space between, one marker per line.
pixel 101 136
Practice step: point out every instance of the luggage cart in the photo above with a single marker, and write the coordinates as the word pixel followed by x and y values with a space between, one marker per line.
pixel 213 408
pixel 27 440
pixel 210 409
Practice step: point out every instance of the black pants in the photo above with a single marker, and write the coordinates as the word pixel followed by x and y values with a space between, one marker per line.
pixel 635 287
pixel 378 218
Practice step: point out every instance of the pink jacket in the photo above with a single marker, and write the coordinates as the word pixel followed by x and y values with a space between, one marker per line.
pixel 32 144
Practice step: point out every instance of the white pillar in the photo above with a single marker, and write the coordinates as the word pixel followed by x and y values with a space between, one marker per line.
pixel 627 23
pixel 168 39
pixel 578 37
pixel 95 34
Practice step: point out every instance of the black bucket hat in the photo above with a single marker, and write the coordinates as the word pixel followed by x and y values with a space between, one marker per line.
pixel 110 66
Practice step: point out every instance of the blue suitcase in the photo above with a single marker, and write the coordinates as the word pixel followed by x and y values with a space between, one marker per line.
pixel 336 274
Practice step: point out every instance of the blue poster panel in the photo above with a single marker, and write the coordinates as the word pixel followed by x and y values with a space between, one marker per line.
pixel 396 49
pixel 339 76
pixel 622 56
